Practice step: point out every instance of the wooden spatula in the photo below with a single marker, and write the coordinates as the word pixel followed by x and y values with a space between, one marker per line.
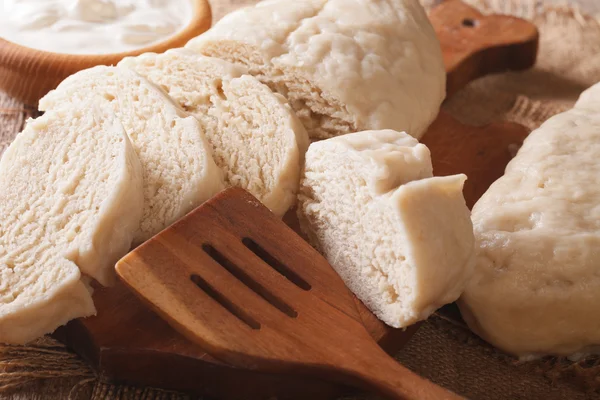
pixel 235 279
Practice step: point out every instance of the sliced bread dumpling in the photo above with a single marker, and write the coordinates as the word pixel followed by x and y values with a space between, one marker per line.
pixel 344 65
pixel 255 137
pixel 178 169
pixel 70 199
pixel 401 239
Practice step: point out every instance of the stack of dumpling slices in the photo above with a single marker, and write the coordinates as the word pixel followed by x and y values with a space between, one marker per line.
pixel 115 159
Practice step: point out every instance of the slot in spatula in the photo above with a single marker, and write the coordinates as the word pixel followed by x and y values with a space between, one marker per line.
pixel 234 278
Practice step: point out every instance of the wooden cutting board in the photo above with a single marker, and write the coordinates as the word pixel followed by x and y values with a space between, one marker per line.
pixel 126 342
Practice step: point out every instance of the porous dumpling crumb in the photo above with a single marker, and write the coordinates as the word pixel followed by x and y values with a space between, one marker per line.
pixel 344 65
pixel 70 198
pixel 178 168
pixel 256 138
pixel 401 239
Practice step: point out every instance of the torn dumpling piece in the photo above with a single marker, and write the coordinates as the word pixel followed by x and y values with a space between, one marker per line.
pixel 401 239
pixel 344 65
pixel 256 138
pixel 70 202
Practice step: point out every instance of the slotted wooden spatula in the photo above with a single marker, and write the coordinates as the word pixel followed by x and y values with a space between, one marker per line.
pixel 234 278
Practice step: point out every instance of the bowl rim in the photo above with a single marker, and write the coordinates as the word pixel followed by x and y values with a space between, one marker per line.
pixel 200 23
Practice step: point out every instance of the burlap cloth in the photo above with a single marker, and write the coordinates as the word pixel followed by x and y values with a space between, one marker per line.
pixel 442 350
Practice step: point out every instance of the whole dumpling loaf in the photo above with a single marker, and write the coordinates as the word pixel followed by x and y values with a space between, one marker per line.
pixel 536 287
pixel 70 202
pixel 256 138
pixel 401 239
pixel 178 168
pixel 344 65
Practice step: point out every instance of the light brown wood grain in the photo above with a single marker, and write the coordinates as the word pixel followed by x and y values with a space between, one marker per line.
pixel 128 342
pixel 28 74
pixel 479 152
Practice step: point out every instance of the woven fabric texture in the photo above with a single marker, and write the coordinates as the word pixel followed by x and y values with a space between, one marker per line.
pixel 443 350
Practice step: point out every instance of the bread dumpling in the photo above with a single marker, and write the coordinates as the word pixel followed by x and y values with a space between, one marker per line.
pixel 401 239
pixel 536 287
pixel 70 201
pixel 344 65
pixel 179 171
pixel 256 138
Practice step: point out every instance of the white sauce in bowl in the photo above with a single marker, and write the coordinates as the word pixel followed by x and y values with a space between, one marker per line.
pixel 92 26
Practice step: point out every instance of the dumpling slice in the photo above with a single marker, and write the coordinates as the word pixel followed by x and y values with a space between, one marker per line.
pixel 70 202
pixel 178 168
pixel 256 138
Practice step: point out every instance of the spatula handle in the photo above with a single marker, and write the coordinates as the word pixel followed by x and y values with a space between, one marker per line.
pixel 380 373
